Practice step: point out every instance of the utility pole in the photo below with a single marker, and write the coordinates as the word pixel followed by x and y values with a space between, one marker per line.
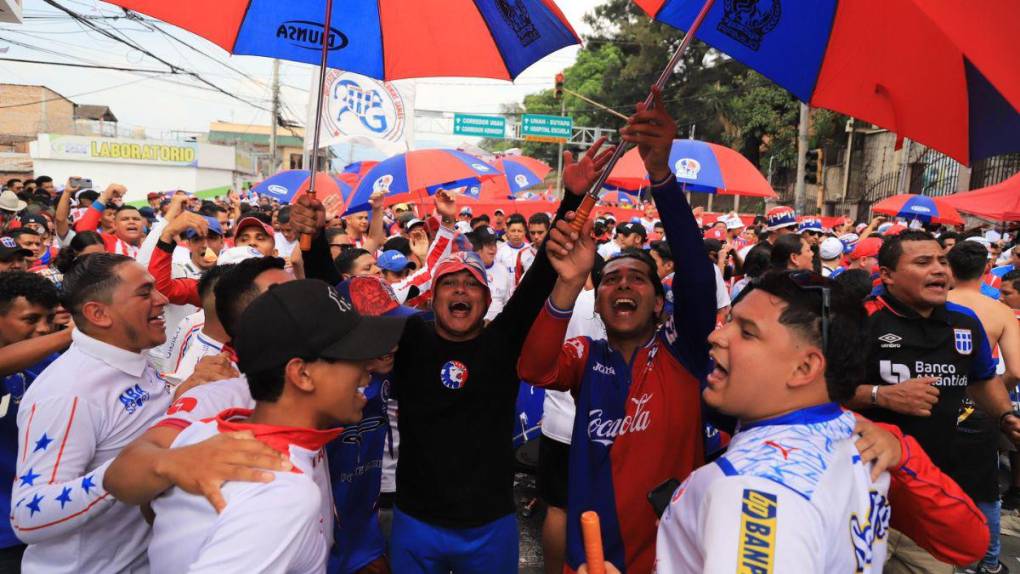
pixel 851 126
pixel 800 189
pixel 563 111
pixel 276 117
pixel 903 179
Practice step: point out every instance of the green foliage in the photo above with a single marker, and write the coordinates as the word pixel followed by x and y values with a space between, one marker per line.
pixel 723 100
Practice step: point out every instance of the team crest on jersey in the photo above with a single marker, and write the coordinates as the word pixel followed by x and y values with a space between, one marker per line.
pixel 865 535
pixel 963 340
pixel 757 549
pixel 133 398
pixel 453 375
pixel 576 346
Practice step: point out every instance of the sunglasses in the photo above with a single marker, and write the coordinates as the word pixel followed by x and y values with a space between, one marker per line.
pixel 807 281
pixel 810 281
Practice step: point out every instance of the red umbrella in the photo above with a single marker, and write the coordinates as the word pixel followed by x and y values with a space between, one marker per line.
pixel 698 166
pixel 999 202
pixel 911 206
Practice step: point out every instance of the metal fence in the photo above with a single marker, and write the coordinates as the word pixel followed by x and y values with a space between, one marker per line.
pixel 994 170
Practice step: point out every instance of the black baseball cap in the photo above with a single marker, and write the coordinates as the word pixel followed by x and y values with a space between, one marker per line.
pixel 9 249
pixel 307 318
pixel 630 228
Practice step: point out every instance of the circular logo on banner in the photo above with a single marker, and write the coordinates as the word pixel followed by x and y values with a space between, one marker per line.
pixel 360 106
pixel 453 374
pixel 383 183
pixel 521 180
pixel 277 189
pixel 688 168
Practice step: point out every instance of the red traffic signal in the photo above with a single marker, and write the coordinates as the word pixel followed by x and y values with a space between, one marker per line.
pixel 559 85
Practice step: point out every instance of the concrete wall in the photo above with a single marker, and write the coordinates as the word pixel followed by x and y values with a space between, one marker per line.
pixel 44 110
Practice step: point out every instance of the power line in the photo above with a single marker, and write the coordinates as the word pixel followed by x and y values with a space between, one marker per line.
pixel 135 81
pixel 92 66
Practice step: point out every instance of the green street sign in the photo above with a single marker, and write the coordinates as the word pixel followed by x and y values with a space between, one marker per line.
pixel 546 128
pixel 479 126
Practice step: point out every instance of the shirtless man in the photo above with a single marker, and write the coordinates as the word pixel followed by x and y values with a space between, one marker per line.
pixel 976 433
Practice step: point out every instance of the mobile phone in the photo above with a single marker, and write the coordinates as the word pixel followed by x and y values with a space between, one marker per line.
pixel 660 496
pixel 81 182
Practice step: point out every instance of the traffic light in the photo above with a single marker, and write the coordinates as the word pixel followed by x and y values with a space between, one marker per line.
pixel 559 85
pixel 815 166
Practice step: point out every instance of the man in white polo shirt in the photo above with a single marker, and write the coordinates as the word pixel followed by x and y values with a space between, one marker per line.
pixel 80 412
pixel 305 353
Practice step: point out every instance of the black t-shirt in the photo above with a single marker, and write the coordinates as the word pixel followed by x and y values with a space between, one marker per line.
pixel 457 399
pixel 950 344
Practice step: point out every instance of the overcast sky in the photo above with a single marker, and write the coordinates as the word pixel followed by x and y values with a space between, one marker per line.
pixel 162 107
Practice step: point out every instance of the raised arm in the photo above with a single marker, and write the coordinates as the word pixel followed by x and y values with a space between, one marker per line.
pixel 61 217
pixel 94 214
pixel 376 228
pixel 23 354
pixel 527 301
pixel 694 306
pixel 179 291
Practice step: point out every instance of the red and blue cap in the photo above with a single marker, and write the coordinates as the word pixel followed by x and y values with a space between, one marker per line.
pixel 462 261
pixel 780 217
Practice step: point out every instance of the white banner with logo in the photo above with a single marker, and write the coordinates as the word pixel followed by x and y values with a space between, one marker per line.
pixel 361 110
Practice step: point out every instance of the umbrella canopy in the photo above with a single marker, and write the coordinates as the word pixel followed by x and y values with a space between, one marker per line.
pixel 407 176
pixel 353 172
pixel 522 172
pixel 383 39
pixel 619 198
pixel 999 202
pixel 698 166
pixel 931 71
pixel 288 186
pixel 921 207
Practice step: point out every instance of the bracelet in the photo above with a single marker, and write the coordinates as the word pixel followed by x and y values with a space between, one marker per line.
pixel 663 182
pixel 874 394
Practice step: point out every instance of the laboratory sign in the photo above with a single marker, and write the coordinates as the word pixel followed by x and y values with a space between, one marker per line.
pixel 123 150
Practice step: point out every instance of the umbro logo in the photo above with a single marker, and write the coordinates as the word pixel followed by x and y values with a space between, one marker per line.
pixel 890 340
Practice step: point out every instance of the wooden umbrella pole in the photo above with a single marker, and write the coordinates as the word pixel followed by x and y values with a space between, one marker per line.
pixel 592 197
pixel 306 239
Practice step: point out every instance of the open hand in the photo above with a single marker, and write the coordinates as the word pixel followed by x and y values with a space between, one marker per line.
pixel 571 254
pixel 877 446
pixel 579 176
pixel 446 203
pixel 208 370
pixel 202 468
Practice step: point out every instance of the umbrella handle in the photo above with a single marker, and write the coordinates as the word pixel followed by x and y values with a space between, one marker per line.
pixel 582 213
pixel 592 533
pixel 306 238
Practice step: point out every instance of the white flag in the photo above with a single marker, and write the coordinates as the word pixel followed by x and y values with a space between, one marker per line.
pixel 361 110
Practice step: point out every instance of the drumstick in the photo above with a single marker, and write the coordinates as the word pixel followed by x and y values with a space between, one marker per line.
pixel 592 535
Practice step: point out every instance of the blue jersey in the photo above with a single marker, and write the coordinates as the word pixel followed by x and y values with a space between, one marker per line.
pixel 14 387
pixel 355 469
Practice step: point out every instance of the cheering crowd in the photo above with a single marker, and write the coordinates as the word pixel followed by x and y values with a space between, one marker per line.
pixel 188 387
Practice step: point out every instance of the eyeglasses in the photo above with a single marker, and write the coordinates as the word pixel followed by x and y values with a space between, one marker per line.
pixel 811 281
pixel 805 281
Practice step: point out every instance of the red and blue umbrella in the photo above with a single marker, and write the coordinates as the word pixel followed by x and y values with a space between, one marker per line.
pixel 287 186
pixel 937 72
pixel 699 166
pixel 619 198
pixel 383 39
pixel 921 207
pixel 409 176
pixel 522 172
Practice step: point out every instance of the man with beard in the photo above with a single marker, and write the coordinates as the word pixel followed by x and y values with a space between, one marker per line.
pixel 456 379
pixel 636 392
pixel 80 412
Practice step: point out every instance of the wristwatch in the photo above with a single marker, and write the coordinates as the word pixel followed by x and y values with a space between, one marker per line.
pixel 874 395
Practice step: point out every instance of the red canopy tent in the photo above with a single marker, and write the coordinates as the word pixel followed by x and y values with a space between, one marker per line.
pixel 999 202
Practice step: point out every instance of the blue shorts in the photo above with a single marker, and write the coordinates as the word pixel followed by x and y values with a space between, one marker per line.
pixel 418 547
